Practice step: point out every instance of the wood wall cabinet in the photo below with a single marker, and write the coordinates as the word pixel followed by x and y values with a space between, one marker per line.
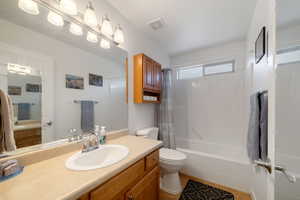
pixel 138 182
pixel 147 80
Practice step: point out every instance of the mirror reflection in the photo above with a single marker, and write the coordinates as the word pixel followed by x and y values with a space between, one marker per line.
pixel 60 85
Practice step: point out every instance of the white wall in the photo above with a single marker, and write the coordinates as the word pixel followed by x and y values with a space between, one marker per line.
pixel 262 77
pixel 211 109
pixel 71 60
pixel 287 119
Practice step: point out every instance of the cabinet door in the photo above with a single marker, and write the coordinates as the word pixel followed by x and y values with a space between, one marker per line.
pixel 115 187
pixel 157 76
pixel 148 69
pixel 147 188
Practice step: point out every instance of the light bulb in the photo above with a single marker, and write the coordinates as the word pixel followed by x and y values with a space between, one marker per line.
pixel 119 35
pixel 90 17
pixel 55 19
pixel 29 7
pixel 92 37
pixel 68 6
pixel 76 29
pixel 104 44
pixel 106 27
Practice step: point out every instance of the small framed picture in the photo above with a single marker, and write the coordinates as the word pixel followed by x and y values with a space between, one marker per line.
pixel 96 80
pixel 14 90
pixel 33 87
pixel 260 46
pixel 74 82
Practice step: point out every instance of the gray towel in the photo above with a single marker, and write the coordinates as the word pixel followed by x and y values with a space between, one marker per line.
pixel 24 111
pixel 253 141
pixel 87 115
pixel 263 98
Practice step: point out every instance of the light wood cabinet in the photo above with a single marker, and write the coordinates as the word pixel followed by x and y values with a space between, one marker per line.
pixel 147 188
pixel 26 138
pixel 141 178
pixel 120 183
pixel 147 80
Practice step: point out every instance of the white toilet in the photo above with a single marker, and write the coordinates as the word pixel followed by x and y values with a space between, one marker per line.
pixel 171 161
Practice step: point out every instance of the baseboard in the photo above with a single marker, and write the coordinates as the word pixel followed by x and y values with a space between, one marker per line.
pixel 252 194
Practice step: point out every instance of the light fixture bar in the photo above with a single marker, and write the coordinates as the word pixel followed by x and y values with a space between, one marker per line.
pixel 72 19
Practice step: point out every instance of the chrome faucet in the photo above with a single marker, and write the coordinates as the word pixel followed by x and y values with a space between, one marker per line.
pixel 90 143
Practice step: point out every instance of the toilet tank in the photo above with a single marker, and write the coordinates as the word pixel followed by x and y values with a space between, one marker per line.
pixel 150 133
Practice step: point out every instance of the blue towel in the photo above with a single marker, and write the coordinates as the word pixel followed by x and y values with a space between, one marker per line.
pixel 87 116
pixel 24 111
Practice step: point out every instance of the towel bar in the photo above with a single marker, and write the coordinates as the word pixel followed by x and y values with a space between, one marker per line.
pixel 290 177
pixel 265 165
pixel 79 101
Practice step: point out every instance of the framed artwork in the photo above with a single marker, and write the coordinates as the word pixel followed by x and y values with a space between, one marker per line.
pixel 74 82
pixel 260 46
pixel 96 80
pixel 14 90
pixel 33 87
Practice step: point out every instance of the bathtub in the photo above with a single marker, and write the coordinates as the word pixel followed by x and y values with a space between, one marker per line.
pixel 216 163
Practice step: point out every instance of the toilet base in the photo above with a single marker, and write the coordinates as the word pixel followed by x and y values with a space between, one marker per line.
pixel 170 183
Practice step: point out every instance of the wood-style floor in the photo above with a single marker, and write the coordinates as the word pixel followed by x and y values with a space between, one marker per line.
pixel 184 179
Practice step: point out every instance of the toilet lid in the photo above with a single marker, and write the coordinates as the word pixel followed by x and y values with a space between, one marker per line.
pixel 170 154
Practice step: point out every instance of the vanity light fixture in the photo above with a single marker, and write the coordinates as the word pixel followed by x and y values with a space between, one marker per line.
pixel 68 6
pixel 29 6
pixel 55 19
pixel 118 35
pixel 90 17
pixel 18 69
pixel 92 37
pixel 76 29
pixel 105 44
pixel 65 11
pixel 106 27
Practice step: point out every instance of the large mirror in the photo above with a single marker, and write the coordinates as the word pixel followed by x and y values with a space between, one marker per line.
pixel 60 84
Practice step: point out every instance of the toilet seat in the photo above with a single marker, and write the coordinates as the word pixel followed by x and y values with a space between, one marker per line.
pixel 171 156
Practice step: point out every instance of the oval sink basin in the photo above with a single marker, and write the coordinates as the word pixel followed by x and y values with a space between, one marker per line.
pixel 104 156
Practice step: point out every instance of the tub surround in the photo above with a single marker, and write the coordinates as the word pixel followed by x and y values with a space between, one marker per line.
pixel 50 179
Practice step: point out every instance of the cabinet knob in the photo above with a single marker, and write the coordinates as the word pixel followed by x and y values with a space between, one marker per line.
pixel 130 197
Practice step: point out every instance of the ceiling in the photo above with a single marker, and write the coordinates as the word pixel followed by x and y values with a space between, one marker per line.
pixel 190 24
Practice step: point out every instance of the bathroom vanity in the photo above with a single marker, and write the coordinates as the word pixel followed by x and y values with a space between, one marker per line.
pixel 135 177
pixel 140 181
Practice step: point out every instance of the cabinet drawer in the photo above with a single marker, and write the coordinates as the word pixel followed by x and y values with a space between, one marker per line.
pixel 152 160
pixel 111 189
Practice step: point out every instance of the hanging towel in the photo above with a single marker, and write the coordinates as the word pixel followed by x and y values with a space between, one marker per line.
pixel 263 125
pixel 24 111
pixel 253 142
pixel 87 116
pixel 7 139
